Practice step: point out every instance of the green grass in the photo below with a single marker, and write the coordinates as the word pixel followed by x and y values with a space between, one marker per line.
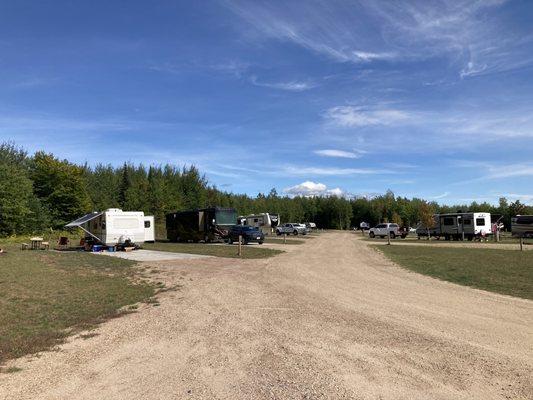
pixel 506 239
pixel 501 271
pixel 279 240
pixel 217 250
pixel 45 295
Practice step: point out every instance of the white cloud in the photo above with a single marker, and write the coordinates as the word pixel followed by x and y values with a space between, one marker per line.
pixel 354 116
pixel 440 196
pixel 292 86
pixel 510 171
pixel 338 153
pixel 471 34
pixel 310 188
pixel 233 67
pixel 368 56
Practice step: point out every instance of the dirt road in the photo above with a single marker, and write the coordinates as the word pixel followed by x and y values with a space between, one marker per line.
pixel 330 319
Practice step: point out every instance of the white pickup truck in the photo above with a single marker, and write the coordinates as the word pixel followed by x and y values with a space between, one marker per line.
pixel 291 229
pixel 382 230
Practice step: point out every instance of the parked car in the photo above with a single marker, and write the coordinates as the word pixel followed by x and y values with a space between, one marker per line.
pixel 305 227
pixel 382 230
pixel 291 229
pixel 247 233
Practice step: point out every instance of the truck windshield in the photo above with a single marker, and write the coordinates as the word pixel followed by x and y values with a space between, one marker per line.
pixel 226 217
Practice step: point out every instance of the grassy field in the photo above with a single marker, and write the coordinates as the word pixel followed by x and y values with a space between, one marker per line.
pixel 507 240
pixel 46 295
pixel 501 271
pixel 217 250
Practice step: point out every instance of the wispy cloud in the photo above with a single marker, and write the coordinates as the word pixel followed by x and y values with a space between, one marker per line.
pixel 236 68
pixel 510 171
pixel 339 153
pixel 332 171
pixel 465 31
pixel 496 171
pixel 354 116
pixel 440 196
pixel 292 86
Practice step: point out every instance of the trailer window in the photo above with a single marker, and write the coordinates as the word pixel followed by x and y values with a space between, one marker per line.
pixel 448 221
pixel 480 221
pixel 467 221
pixel 147 224
pixel 525 219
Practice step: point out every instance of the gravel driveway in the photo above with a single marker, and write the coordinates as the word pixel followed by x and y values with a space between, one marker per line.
pixel 329 319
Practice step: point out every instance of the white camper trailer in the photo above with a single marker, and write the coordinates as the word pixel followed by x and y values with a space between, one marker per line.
pixel 114 226
pixel 469 225
pixel 265 222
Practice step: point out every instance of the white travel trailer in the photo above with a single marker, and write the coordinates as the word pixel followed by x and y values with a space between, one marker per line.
pixel 114 226
pixel 469 225
pixel 265 222
pixel 522 226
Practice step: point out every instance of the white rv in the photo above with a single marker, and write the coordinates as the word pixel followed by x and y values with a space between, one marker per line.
pixel 265 222
pixel 455 225
pixel 114 226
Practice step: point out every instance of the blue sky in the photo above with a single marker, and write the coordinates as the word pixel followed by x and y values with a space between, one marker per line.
pixel 431 99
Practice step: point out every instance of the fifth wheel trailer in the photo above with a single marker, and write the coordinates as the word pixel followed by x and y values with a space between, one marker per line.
pixel 265 222
pixel 455 225
pixel 207 224
pixel 114 226
pixel 522 226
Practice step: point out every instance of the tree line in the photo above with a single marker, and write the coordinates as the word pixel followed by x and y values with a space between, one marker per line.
pixel 40 192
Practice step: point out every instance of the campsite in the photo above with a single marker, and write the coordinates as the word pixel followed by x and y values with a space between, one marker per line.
pixel 266 200
pixel 130 276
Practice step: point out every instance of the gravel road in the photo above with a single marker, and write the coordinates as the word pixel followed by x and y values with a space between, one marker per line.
pixel 329 319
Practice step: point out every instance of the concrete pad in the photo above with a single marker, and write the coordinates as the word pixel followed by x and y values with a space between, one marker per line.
pixel 152 255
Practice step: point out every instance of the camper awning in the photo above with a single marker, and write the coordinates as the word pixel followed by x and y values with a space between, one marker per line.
pixel 80 221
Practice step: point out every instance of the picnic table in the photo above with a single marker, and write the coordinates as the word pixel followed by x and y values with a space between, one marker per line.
pixel 36 243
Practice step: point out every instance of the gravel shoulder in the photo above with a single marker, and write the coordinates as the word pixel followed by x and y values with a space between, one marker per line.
pixel 328 319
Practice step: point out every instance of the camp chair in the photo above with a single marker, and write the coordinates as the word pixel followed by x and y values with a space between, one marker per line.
pixel 24 246
pixel 63 243
pixel 45 246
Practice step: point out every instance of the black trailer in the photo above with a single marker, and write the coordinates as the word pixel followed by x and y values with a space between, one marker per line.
pixel 207 224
